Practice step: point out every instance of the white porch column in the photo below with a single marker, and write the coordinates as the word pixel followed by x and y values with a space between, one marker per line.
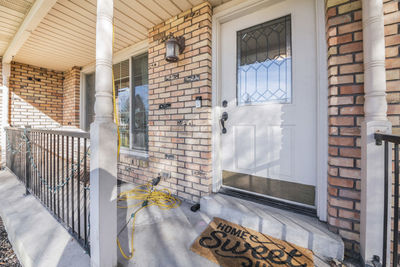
pixel 103 143
pixel 375 108
pixel 6 71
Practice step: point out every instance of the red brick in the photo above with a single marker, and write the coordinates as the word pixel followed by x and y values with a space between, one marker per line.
pixel 341 182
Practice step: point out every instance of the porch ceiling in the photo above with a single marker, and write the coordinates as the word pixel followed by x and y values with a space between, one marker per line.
pixel 12 13
pixel 66 35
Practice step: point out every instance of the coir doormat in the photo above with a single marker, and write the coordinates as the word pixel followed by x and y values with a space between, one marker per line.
pixel 230 245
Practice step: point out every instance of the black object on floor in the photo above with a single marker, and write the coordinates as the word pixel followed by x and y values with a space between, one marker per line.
pixel 195 207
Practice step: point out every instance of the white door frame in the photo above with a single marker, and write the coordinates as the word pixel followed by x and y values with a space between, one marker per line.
pixel 235 9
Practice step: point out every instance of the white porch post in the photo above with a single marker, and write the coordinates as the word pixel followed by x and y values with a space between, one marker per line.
pixel 103 142
pixel 4 113
pixel 375 108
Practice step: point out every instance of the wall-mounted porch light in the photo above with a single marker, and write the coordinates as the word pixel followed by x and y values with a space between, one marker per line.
pixel 174 46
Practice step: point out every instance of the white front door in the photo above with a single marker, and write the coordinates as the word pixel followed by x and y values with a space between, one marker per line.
pixel 268 92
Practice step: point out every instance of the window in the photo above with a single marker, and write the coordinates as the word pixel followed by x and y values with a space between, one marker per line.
pixel 264 63
pixel 140 103
pixel 131 86
pixel 89 81
pixel 122 95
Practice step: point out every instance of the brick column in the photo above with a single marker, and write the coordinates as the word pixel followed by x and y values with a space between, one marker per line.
pixel 346 98
pixel 71 105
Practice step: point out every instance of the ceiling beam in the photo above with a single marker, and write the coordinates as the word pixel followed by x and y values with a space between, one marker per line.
pixel 35 15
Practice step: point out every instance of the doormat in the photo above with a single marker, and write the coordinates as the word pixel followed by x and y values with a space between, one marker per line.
pixel 229 245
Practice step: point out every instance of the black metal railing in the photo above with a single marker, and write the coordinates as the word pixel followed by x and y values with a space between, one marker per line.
pixel 54 166
pixel 391 145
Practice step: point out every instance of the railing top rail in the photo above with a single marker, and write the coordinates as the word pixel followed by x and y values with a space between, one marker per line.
pixel 78 134
pixel 379 137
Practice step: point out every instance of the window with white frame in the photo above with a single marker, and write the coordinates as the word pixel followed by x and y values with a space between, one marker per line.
pixel 131 86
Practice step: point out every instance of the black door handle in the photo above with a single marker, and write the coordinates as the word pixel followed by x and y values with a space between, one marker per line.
pixel 223 119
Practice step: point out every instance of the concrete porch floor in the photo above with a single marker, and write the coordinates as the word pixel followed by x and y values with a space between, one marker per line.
pixel 162 238
pixel 37 238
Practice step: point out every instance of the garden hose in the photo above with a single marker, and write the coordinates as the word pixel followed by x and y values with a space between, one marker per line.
pixel 115 102
pixel 148 197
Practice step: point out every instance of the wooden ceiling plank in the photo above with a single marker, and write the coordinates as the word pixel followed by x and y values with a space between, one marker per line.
pixel 145 11
pixel 87 10
pixel 129 20
pixel 77 38
pixel 10 22
pixel 60 41
pixel 183 4
pixel 54 52
pixel 37 12
pixel 31 52
pixel 170 6
pixel 72 21
pixel 130 11
pixel 76 15
pixel 150 4
pixel 10 16
pixel 60 25
pixel 11 12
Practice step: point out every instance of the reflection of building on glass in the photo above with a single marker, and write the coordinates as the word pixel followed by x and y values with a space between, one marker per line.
pixel 140 122
pixel 265 63
pixel 121 80
pixel 140 102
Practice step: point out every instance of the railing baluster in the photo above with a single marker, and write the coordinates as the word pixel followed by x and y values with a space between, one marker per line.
pixel 386 199
pixel 62 176
pixel 47 169
pixel 66 166
pixel 396 205
pixel 54 173
pixel 84 189
pixel 58 175
pixel 72 184
pixel 78 191
pixel 37 164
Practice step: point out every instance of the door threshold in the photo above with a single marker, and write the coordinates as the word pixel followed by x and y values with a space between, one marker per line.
pixel 264 200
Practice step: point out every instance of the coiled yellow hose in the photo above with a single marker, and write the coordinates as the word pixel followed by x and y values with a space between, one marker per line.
pixel 148 197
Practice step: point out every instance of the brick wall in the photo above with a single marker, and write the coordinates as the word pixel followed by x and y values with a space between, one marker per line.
pixel 179 136
pixel 392 40
pixel 36 96
pixel 71 97
pixel 345 67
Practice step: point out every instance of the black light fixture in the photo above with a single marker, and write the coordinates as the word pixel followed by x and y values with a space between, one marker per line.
pixel 174 46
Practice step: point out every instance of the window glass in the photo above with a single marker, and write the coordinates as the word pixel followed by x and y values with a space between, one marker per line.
pixel 89 99
pixel 121 81
pixel 140 102
pixel 132 105
pixel 264 63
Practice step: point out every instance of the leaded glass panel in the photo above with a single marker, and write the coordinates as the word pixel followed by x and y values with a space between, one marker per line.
pixel 264 63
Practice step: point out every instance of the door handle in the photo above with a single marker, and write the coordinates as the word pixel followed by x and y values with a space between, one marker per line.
pixel 223 119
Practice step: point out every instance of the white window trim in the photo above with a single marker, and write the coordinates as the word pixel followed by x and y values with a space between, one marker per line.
pixel 124 54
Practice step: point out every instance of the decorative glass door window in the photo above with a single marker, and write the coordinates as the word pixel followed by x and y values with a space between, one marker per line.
pixel 264 63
